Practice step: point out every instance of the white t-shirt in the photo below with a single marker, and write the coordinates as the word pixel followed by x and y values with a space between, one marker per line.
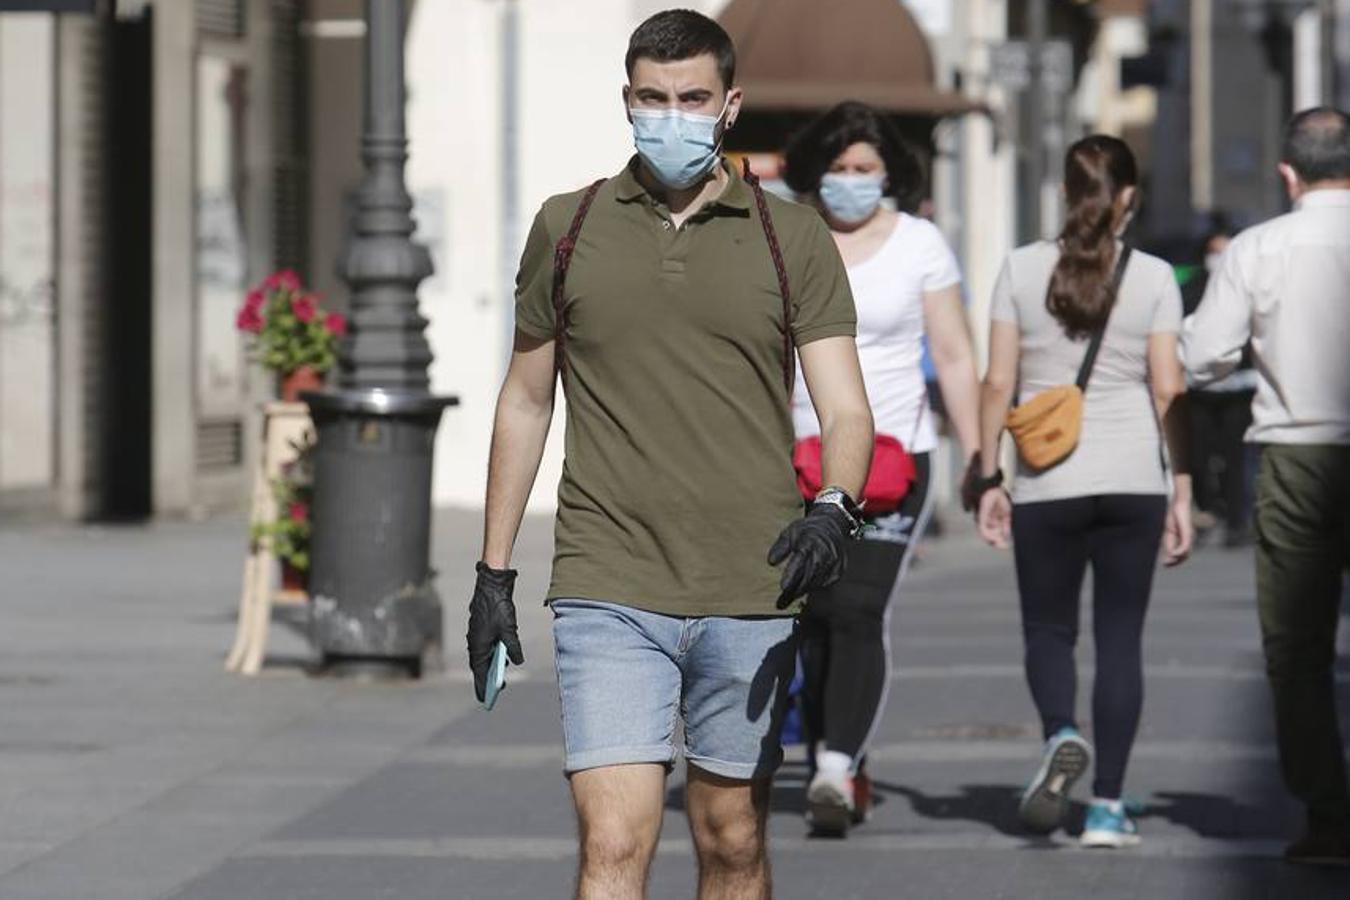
pixel 888 289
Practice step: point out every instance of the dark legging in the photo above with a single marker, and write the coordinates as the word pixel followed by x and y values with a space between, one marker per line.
pixel 844 648
pixel 1053 543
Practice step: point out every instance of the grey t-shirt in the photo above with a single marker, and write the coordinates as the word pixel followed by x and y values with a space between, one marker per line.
pixel 1120 448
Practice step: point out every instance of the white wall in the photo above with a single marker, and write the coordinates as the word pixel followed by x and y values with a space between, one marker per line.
pixel 571 130
pixel 27 208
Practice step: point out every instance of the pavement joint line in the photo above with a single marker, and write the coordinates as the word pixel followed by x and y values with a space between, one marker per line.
pixel 525 756
pixel 514 848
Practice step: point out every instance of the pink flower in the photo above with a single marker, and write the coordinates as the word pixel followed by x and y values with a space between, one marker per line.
pixel 249 319
pixel 335 323
pixel 286 279
pixel 299 511
pixel 305 307
pixel 255 300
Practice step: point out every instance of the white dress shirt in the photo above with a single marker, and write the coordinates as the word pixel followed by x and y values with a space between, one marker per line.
pixel 1285 284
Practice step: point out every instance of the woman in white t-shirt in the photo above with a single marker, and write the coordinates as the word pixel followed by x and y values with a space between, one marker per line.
pixel 906 285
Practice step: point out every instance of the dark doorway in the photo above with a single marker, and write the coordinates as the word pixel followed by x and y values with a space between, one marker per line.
pixel 126 370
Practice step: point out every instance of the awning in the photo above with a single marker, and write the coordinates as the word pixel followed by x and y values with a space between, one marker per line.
pixel 796 55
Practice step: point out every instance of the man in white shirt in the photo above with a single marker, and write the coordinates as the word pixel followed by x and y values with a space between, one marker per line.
pixel 1285 284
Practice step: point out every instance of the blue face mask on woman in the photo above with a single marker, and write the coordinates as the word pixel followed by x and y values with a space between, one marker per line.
pixel 679 147
pixel 851 198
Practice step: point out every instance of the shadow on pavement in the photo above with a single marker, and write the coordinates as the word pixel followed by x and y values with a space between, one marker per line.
pixel 1213 816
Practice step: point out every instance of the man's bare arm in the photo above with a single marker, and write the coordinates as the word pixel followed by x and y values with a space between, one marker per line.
pixel 524 411
pixel 834 380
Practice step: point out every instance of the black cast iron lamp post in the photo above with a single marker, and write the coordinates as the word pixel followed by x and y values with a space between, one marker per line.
pixel 373 606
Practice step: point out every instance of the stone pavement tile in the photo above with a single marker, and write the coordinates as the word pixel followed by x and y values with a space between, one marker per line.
pixel 817 871
pixel 414 800
pixel 525 713
pixel 410 879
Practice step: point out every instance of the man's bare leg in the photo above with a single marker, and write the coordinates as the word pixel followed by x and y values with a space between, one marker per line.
pixel 619 814
pixel 728 820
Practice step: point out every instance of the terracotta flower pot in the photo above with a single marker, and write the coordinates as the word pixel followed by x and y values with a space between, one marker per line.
pixel 293 579
pixel 293 384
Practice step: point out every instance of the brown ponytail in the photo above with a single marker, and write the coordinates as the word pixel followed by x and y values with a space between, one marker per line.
pixel 1096 169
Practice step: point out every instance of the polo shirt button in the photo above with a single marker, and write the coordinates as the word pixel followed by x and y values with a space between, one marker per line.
pixel 665 223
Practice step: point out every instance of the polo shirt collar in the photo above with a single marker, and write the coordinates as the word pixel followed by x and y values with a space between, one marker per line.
pixel 1325 197
pixel 737 195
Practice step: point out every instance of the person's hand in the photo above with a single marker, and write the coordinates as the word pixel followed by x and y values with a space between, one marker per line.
pixel 813 549
pixel 492 618
pixel 1179 534
pixel 995 518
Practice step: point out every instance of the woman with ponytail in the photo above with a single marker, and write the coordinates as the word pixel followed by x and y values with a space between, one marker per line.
pixel 1114 500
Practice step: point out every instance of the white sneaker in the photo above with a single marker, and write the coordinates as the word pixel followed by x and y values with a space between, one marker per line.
pixel 829 802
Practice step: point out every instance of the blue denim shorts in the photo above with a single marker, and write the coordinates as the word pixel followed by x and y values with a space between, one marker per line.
pixel 626 676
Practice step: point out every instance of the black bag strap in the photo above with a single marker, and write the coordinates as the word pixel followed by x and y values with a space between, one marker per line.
pixel 1085 370
pixel 770 235
pixel 562 261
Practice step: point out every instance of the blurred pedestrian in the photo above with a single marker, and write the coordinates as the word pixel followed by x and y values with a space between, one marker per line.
pixel 670 298
pixel 1093 477
pixel 1220 413
pixel 1285 286
pixel 905 284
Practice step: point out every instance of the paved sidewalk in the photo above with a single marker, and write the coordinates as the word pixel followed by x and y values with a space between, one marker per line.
pixel 132 767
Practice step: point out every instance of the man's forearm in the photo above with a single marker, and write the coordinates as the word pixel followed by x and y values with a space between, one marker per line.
pixel 846 451
pixel 518 437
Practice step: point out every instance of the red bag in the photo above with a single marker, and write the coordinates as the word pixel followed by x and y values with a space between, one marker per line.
pixel 888 481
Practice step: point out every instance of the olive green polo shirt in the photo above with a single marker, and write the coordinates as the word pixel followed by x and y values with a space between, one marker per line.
pixel 678 473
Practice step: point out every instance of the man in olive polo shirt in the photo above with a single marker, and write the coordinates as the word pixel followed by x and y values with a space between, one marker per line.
pixel 678 495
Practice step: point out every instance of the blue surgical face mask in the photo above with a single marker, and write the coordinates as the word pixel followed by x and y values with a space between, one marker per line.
pixel 851 198
pixel 680 148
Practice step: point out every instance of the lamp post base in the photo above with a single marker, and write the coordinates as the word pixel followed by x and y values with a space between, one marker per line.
pixel 372 600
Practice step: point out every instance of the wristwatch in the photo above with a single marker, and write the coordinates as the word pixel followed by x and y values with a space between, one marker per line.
pixel 837 496
pixel 984 485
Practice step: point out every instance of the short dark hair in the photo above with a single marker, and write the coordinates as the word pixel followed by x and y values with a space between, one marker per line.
pixel 810 153
pixel 677 34
pixel 1317 144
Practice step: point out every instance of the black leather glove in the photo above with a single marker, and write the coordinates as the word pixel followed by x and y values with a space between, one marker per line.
pixel 813 547
pixel 492 618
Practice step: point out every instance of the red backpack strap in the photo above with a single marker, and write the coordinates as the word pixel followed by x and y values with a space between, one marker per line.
pixel 784 289
pixel 562 261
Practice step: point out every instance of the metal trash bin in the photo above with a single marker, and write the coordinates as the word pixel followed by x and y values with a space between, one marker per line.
pixel 373 604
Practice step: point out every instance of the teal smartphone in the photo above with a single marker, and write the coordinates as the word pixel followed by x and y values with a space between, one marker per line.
pixel 496 679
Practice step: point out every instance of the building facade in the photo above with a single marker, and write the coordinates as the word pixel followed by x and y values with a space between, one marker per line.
pixel 148 173
pixel 159 156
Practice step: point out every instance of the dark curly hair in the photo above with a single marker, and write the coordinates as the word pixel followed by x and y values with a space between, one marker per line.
pixel 810 153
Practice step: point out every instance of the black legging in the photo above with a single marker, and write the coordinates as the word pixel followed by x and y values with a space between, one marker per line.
pixel 844 648
pixel 1053 542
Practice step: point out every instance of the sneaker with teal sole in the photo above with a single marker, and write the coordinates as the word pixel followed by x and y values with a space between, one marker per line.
pixel 1045 801
pixel 1109 825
